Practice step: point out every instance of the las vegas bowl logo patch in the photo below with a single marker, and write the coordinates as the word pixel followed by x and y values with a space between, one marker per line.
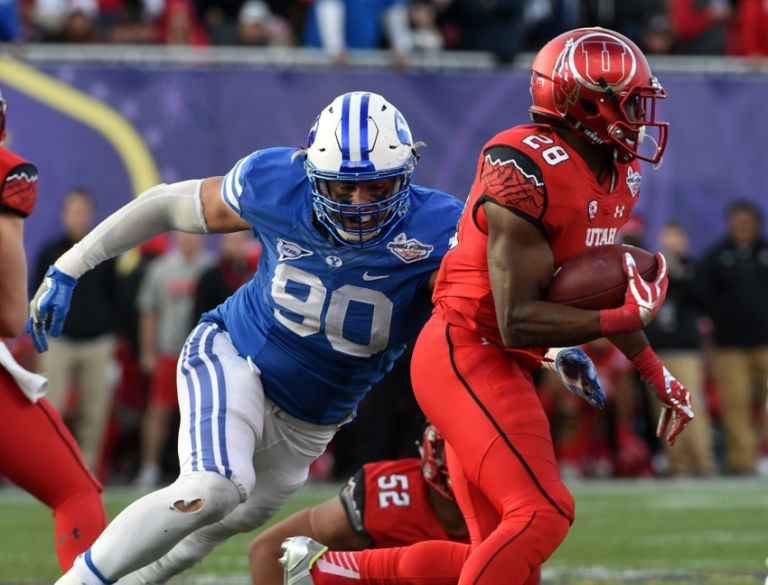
pixel 633 181
pixel 409 249
pixel 290 251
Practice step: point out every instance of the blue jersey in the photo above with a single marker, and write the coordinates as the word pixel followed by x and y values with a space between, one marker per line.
pixel 324 322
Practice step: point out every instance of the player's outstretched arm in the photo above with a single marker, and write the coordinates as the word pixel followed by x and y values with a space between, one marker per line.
pixel 13 275
pixel 189 206
pixel 326 523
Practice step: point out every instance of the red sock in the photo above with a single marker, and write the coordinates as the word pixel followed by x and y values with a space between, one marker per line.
pixel 337 568
pixel 79 520
pixel 432 562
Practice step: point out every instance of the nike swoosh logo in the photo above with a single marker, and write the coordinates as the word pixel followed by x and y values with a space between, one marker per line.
pixel 369 277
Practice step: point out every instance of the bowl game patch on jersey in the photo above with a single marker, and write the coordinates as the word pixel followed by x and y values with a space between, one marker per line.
pixel 409 249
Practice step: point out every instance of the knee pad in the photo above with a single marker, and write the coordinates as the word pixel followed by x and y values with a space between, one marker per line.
pixel 205 494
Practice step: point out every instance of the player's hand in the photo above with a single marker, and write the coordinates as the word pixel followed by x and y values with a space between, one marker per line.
pixel 578 374
pixel 676 410
pixel 642 300
pixel 49 307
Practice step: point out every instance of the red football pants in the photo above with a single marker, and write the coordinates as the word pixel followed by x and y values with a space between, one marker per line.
pixel 39 454
pixel 500 457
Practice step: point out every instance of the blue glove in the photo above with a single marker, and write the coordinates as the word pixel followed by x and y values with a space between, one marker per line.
pixel 578 374
pixel 49 307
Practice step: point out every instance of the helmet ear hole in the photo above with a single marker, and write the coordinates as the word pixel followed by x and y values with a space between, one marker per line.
pixel 589 107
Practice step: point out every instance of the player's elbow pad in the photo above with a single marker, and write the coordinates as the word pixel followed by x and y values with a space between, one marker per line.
pixel 160 209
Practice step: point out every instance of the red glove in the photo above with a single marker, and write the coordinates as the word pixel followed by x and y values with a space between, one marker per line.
pixel 642 300
pixel 676 412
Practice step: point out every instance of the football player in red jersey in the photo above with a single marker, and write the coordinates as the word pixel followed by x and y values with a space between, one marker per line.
pixel 385 504
pixel 543 193
pixel 37 451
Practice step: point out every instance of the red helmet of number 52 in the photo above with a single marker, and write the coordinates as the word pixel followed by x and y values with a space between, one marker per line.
pixel 598 83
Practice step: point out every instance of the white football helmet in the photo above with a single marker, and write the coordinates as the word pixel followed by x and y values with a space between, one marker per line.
pixel 360 136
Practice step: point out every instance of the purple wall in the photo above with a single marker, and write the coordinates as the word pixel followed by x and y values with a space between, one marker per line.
pixel 198 123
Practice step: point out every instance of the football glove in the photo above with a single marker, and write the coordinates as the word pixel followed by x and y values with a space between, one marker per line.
pixel 49 307
pixel 676 410
pixel 642 300
pixel 578 374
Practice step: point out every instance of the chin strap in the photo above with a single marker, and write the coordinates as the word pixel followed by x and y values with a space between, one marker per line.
pixel 609 92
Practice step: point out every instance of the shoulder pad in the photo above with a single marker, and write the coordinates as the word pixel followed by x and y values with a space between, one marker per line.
pixel 511 178
pixel 19 185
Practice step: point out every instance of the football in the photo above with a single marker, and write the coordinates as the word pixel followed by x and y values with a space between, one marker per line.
pixel 595 278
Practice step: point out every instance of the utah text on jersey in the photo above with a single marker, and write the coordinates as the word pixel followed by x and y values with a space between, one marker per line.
pixel 600 236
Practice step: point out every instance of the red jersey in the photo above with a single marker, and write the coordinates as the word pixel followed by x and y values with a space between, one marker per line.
pixel 18 183
pixel 532 172
pixel 388 502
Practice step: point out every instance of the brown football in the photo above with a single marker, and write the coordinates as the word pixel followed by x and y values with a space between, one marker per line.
pixel 595 278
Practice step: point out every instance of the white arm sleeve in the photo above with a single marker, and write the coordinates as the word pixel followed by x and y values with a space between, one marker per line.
pixel 160 209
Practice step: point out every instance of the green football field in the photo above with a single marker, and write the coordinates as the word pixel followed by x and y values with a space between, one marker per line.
pixel 649 532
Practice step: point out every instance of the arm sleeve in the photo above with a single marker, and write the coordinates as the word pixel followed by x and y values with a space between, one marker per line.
pixel 161 209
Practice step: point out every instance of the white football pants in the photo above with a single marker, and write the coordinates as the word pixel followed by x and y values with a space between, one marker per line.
pixel 241 458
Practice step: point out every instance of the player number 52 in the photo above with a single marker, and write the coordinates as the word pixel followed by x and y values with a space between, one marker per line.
pixel 393 490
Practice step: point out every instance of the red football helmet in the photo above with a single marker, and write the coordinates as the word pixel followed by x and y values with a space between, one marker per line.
pixel 433 464
pixel 599 83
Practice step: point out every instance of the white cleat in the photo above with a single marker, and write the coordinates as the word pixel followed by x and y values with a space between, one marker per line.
pixel 300 553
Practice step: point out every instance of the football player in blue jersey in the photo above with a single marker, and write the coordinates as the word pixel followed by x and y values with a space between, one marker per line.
pixel 265 379
pixel 350 247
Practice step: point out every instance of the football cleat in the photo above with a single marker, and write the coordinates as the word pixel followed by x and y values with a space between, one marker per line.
pixel 300 553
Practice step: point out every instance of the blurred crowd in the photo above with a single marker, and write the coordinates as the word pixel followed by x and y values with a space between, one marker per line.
pixel 501 27
pixel 112 374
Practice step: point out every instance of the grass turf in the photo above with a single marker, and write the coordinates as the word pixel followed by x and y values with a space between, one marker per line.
pixel 675 533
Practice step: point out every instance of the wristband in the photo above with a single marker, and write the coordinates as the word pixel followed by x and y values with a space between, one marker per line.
pixel 647 363
pixel 617 321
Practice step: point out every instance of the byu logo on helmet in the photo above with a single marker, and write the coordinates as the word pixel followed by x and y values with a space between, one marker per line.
pixel 403 131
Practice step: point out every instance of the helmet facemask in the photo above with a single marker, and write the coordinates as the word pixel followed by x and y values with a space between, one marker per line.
pixel 360 137
pixel 635 123
pixel 359 224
